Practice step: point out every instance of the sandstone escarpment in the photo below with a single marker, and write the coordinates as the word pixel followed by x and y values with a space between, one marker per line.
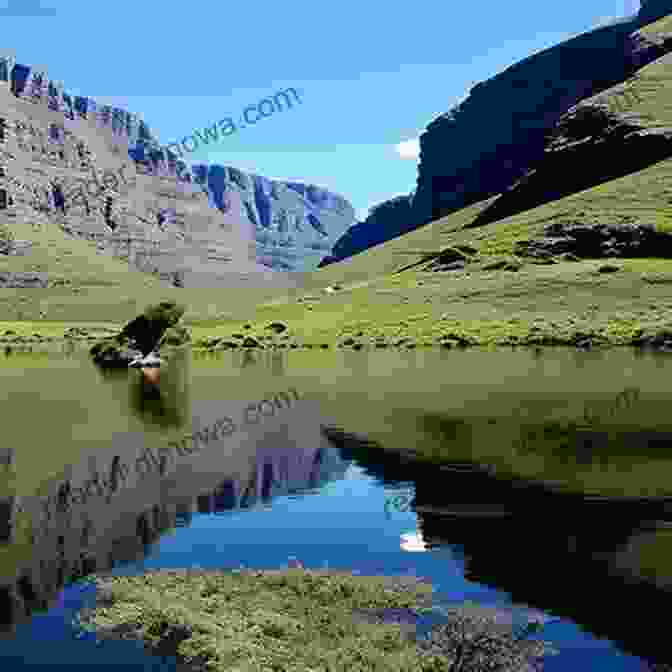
pixel 499 135
pixel 293 224
pixel 385 221
pixel 490 140
pixel 98 173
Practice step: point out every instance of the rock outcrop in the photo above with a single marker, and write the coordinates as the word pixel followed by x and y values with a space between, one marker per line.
pixel 599 240
pixel 98 173
pixel 157 327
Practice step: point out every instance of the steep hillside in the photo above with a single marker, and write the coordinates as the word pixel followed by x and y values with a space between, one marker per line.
pixel 472 153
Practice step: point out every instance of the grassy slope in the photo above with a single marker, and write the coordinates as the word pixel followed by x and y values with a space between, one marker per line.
pixel 95 288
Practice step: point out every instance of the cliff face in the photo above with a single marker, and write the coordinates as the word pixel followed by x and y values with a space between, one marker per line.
pixel 385 221
pixel 499 134
pixel 97 172
pixel 491 139
pixel 292 224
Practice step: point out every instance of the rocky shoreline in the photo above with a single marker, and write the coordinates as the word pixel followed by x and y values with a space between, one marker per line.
pixel 660 341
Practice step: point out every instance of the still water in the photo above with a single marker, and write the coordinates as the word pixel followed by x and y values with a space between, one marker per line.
pixel 96 476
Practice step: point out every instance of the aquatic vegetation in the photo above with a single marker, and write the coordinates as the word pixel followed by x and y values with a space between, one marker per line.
pixel 295 621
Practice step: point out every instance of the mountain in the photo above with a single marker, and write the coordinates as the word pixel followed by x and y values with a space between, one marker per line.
pixel 484 145
pixel 294 223
pixel 97 174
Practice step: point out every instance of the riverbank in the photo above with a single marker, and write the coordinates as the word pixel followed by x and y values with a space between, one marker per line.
pixel 297 620
pixel 568 304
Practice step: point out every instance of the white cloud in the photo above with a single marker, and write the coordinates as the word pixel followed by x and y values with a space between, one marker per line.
pixel 408 149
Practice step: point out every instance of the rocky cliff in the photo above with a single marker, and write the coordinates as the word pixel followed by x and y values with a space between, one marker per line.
pixel 98 173
pixel 293 224
pixel 386 220
pixel 500 132
pixel 471 153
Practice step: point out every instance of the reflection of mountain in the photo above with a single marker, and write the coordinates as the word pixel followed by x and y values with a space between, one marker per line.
pixel 278 473
pixel 109 508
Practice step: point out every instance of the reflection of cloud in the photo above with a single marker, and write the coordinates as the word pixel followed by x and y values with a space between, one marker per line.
pixel 413 541
pixel 26 8
pixel 408 149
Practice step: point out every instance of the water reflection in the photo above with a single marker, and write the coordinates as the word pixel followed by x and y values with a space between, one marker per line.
pixel 571 557
pixel 107 471
pixel 114 505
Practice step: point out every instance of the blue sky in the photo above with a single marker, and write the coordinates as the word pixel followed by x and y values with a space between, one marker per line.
pixel 370 76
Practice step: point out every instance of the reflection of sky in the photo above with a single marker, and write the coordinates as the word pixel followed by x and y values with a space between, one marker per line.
pixel 26 8
pixel 341 524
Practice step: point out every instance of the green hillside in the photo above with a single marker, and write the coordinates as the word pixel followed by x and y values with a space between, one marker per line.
pixel 90 288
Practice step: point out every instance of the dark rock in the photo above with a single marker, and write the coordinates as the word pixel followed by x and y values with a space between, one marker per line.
pixel 250 342
pixel 23 280
pixel 348 341
pixel 112 354
pixel 147 329
pixel 357 346
pixel 452 266
pixel 504 265
pixel 660 339
pixel 607 268
pixel 598 240
pixel 461 341
pixel 277 327
pixel 544 247
pixel 157 327
pixel 228 344
pixel 104 594
pixel 467 249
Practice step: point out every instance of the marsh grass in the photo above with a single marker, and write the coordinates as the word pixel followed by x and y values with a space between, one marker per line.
pixel 294 621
